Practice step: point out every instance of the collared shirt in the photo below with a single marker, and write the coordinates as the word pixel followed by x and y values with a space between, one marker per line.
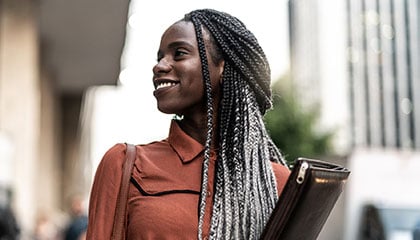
pixel 165 188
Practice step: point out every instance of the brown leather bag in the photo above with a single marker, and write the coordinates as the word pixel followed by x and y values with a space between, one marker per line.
pixel 120 219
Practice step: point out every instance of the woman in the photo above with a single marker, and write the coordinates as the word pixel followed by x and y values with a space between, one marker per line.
pixel 218 175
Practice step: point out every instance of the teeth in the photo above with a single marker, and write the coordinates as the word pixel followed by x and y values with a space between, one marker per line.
pixel 165 84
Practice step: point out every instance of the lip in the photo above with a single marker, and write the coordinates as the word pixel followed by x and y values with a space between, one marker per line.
pixel 159 81
pixel 165 84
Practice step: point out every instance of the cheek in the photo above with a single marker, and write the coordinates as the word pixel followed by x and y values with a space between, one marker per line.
pixel 196 78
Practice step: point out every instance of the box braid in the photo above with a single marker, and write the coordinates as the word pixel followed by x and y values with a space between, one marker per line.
pixel 245 191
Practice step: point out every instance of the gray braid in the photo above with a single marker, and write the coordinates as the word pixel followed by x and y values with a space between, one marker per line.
pixel 207 83
pixel 245 185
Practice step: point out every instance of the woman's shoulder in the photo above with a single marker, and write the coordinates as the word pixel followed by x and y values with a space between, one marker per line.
pixel 115 151
pixel 280 168
pixel 115 155
pixel 113 158
pixel 281 173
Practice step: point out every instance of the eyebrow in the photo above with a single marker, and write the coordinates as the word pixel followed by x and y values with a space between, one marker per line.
pixel 180 43
pixel 176 44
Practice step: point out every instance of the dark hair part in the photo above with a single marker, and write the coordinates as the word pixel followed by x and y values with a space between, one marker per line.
pixel 245 191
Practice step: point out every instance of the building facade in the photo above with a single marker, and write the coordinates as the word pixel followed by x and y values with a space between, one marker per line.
pixel 384 61
pixel 364 78
pixel 50 53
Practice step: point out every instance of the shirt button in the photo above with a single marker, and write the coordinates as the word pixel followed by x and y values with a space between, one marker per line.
pixel 206 238
pixel 208 193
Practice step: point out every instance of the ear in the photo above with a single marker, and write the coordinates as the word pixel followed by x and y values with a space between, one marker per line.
pixel 221 67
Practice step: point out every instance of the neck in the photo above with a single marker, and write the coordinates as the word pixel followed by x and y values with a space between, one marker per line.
pixel 197 129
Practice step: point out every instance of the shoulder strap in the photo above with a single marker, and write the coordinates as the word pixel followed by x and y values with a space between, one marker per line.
pixel 118 230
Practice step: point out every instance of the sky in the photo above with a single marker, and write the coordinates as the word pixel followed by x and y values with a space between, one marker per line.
pixel 267 19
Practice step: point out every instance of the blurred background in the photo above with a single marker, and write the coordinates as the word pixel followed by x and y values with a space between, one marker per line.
pixel 75 78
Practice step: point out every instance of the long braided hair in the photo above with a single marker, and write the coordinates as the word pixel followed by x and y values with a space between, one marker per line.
pixel 245 191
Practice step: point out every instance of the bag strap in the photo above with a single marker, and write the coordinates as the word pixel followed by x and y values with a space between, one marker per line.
pixel 118 229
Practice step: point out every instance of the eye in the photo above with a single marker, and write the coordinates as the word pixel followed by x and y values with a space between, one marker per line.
pixel 180 52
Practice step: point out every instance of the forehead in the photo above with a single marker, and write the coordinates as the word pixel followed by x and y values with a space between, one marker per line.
pixel 180 31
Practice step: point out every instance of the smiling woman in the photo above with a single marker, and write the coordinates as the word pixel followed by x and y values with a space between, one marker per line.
pixel 218 174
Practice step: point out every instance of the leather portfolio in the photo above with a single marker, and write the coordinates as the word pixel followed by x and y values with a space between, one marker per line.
pixel 308 197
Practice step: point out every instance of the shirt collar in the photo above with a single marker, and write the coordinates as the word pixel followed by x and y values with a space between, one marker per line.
pixel 184 145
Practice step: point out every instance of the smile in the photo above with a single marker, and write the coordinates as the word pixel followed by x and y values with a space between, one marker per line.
pixel 165 84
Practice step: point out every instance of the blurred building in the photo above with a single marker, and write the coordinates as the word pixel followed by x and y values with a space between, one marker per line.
pixel 358 62
pixel 51 51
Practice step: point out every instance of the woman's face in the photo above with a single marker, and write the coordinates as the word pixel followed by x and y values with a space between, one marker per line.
pixel 177 76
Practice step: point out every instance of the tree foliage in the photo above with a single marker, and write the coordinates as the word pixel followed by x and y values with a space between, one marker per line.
pixel 292 128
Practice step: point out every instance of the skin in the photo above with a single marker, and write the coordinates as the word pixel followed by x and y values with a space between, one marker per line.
pixel 179 69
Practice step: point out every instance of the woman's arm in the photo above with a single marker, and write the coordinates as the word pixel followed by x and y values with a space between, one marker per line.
pixel 103 196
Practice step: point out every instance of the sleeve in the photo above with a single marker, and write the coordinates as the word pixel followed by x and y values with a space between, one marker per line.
pixel 281 173
pixel 104 193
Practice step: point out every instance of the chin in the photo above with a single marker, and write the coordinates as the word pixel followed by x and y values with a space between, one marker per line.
pixel 165 110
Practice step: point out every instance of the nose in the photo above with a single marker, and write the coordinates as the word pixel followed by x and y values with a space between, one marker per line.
pixel 162 66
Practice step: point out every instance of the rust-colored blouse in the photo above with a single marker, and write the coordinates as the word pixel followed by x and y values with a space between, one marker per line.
pixel 164 191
